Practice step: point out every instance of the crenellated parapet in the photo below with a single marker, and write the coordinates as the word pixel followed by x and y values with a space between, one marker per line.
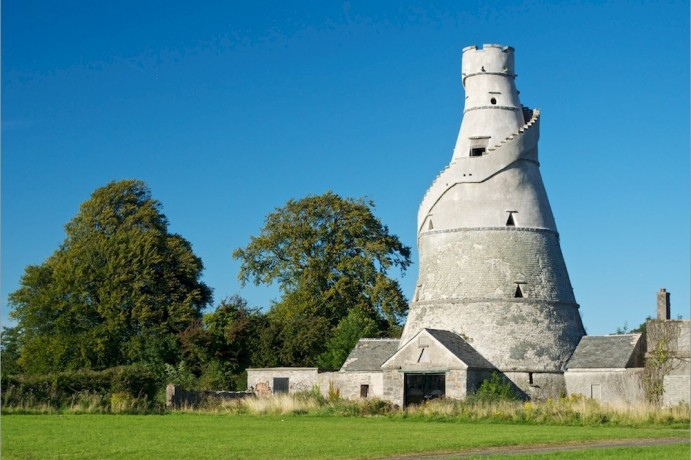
pixel 488 60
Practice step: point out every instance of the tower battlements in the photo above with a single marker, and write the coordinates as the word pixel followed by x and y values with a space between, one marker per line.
pixel 488 60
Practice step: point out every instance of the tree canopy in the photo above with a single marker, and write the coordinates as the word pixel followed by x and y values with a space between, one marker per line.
pixel 119 289
pixel 329 256
pixel 224 343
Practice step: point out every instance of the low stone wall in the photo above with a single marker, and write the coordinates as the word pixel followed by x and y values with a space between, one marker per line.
pixel 178 397
pixel 612 386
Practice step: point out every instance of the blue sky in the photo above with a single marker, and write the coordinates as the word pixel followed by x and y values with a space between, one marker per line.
pixel 228 109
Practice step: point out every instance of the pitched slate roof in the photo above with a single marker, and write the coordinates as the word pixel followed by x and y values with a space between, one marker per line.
pixel 370 354
pixel 460 348
pixel 609 351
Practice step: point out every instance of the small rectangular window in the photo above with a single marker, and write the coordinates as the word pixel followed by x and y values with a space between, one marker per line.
pixel 477 151
pixel 281 385
pixel 364 391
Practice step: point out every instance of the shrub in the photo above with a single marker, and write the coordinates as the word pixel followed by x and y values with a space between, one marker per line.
pixel 181 376
pixel 334 393
pixel 81 389
pixel 495 388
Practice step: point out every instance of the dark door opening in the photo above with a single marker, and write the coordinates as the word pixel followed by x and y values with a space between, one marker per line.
pixel 418 388
pixel 280 385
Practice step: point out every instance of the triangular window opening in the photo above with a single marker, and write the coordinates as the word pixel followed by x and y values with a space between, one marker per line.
pixel 430 226
pixel 424 356
pixel 510 222
pixel 519 293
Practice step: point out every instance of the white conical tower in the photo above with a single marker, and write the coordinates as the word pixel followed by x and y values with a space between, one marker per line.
pixel 491 268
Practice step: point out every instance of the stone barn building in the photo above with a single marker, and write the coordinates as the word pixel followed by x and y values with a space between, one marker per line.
pixel 608 368
pixel 493 293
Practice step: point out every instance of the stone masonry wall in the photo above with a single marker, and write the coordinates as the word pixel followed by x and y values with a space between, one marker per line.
pixel 676 389
pixel 485 263
pixel 467 285
pixel 348 384
pixel 456 384
pixel 544 384
pixel 677 379
pixel 393 387
pixel 612 386
pixel 299 379
pixel 514 336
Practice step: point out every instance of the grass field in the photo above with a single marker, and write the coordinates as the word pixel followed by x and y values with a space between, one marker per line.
pixel 678 451
pixel 290 436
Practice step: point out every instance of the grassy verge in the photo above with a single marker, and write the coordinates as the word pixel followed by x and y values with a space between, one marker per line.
pixel 306 437
pixel 566 411
pixel 577 411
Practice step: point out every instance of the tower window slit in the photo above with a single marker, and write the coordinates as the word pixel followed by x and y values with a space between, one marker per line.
pixel 477 151
pixel 510 222
pixel 519 293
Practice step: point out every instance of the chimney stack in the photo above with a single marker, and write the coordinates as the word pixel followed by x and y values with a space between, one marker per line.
pixel 663 305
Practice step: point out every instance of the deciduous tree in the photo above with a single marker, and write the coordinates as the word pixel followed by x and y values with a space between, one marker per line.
pixel 329 256
pixel 118 290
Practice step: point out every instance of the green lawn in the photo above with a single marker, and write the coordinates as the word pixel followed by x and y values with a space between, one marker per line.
pixel 677 451
pixel 305 437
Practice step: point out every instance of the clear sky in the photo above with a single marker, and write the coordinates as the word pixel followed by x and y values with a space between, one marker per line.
pixel 228 109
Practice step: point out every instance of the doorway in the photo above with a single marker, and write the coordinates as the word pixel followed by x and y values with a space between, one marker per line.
pixel 418 388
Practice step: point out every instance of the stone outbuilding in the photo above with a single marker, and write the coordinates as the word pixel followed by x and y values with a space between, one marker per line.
pixel 608 369
pixel 432 364
pixel 361 375
pixel 276 380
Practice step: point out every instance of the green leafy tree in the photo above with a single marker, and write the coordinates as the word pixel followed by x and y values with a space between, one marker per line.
pixel 9 350
pixel 351 329
pixel 223 343
pixel 641 327
pixel 329 255
pixel 119 289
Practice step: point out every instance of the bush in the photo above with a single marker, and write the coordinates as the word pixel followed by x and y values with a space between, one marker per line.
pixel 495 388
pixel 81 389
pixel 181 376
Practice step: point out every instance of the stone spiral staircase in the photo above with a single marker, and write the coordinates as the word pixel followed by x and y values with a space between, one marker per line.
pixel 453 173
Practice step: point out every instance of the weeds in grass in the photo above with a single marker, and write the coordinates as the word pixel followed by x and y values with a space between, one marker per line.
pixel 83 402
pixel 573 410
